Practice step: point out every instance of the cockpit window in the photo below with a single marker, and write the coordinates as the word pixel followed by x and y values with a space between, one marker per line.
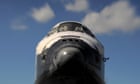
pixel 66 28
pixel 70 26
pixel 54 30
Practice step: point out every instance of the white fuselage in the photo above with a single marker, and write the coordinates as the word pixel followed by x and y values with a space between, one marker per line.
pixel 48 41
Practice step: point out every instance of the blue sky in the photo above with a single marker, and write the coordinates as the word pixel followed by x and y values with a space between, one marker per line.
pixel 23 23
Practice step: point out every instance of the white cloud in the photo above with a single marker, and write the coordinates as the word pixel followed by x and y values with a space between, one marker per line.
pixel 18 24
pixel 43 14
pixel 118 16
pixel 78 6
pixel 19 27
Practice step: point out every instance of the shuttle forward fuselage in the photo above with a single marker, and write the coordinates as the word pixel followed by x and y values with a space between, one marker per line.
pixel 69 47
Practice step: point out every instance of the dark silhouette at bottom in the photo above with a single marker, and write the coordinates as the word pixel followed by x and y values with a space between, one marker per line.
pixel 72 72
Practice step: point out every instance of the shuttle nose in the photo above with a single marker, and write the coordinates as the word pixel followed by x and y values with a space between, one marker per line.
pixel 66 54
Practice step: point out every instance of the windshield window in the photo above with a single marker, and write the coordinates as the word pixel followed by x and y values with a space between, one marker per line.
pixel 71 26
pixel 67 28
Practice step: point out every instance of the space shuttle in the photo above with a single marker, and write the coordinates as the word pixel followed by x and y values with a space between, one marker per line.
pixel 69 54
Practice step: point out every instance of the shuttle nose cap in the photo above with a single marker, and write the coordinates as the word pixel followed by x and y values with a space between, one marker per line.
pixel 66 54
